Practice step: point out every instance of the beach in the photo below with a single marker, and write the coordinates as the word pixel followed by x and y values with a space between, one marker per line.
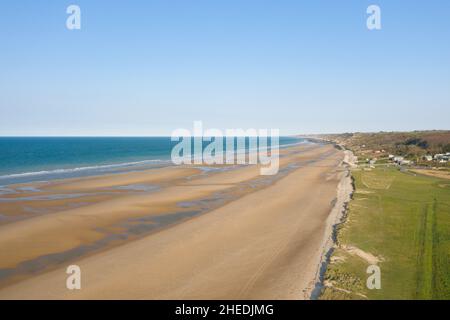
pixel 178 232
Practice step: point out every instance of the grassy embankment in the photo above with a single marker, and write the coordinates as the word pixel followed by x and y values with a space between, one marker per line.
pixel 403 221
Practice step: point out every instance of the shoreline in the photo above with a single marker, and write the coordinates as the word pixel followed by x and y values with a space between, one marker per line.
pixel 293 219
pixel 104 168
pixel 337 216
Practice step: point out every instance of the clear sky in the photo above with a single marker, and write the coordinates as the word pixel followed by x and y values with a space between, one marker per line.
pixel 149 67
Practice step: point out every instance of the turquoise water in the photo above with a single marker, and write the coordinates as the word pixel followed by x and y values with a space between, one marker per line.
pixel 24 159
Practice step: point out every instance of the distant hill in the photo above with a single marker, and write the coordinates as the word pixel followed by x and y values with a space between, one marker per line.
pixel 409 144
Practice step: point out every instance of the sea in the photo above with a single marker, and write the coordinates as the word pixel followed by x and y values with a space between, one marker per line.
pixel 28 159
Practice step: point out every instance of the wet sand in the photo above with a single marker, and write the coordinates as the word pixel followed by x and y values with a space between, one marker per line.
pixel 174 233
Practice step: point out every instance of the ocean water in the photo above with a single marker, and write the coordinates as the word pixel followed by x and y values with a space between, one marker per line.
pixel 26 159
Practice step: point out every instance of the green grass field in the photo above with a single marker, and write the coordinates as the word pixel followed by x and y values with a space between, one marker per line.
pixel 403 221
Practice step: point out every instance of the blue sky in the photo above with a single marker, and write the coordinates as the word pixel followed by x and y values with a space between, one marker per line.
pixel 149 67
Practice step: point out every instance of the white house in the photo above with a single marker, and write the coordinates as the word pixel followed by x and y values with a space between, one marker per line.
pixel 405 162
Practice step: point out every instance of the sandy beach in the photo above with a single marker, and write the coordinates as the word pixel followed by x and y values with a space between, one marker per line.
pixel 180 232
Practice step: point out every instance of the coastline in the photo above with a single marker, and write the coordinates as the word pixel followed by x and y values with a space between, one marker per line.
pixel 259 240
pixel 344 193
pixel 90 167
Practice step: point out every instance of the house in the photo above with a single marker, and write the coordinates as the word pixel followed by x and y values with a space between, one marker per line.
pixel 391 157
pixel 405 162
pixel 442 158
pixel 398 159
pixel 427 158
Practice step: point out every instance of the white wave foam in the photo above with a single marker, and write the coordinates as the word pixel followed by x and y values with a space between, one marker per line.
pixel 72 170
pixel 101 168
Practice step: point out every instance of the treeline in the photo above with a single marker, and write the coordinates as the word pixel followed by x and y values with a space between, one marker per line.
pixel 415 143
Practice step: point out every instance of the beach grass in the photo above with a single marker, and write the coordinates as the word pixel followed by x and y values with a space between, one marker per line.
pixel 402 221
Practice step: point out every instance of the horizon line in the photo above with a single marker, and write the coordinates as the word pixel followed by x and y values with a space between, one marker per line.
pixel 165 136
